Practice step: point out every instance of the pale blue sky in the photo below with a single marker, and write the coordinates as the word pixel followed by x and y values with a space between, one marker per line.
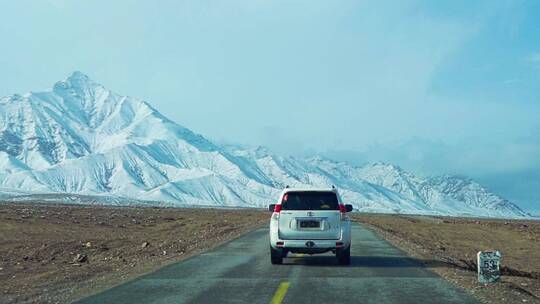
pixel 434 86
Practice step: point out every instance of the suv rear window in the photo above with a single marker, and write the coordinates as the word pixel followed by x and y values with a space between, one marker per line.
pixel 309 200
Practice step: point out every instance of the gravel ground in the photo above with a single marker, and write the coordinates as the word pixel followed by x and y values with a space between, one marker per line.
pixel 449 245
pixel 59 253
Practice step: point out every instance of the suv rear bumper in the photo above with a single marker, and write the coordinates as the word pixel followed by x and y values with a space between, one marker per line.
pixel 315 245
pixel 310 244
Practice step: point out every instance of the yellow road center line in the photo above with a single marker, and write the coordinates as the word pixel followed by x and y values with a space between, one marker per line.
pixel 280 293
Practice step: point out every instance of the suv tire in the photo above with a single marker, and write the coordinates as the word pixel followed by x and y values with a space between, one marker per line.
pixel 276 256
pixel 344 256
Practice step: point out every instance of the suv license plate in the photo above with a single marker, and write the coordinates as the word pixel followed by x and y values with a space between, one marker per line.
pixel 310 224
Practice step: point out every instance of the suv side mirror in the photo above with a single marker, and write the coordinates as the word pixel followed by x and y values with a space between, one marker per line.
pixel 271 207
pixel 348 208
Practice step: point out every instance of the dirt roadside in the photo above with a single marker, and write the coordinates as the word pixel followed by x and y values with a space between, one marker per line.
pixel 448 246
pixel 59 253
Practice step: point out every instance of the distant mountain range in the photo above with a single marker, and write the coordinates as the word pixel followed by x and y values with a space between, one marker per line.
pixel 81 142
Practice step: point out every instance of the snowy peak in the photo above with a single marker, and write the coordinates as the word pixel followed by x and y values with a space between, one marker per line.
pixel 466 189
pixel 82 97
pixel 81 138
pixel 395 178
pixel 77 81
pixel 443 194
pixel 463 188
pixel 92 105
pixel 79 117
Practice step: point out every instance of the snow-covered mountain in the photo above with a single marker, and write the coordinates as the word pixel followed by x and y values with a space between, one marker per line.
pixel 80 139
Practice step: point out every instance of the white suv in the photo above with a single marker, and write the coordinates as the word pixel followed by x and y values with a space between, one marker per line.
pixel 310 221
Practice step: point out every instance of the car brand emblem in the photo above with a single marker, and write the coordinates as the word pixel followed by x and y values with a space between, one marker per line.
pixel 310 213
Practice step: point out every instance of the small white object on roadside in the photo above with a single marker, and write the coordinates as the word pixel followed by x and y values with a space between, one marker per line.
pixel 489 263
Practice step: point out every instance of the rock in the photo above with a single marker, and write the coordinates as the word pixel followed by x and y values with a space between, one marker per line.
pixel 145 244
pixel 81 258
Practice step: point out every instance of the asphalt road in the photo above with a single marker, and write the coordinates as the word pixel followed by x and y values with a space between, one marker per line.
pixel 240 272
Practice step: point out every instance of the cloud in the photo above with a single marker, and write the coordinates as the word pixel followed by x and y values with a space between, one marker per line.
pixel 510 167
pixel 512 171
pixel 473 156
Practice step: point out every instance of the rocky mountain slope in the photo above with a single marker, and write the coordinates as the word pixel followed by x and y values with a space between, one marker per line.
pixel 80 139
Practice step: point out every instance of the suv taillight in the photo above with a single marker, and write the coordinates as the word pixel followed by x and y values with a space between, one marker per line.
pixel 277 210
pixel 343 212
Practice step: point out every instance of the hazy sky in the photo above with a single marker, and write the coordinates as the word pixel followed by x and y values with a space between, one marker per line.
pixel 434 86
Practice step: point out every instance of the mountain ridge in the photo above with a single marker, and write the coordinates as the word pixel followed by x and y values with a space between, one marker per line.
pixel 82 138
